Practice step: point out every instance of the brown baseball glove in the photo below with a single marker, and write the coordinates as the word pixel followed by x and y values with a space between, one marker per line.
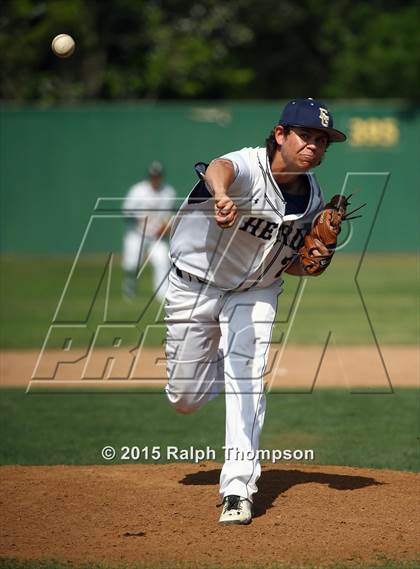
pixel 320 242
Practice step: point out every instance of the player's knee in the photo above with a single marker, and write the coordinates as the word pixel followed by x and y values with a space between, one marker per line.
pixel 182 402
pixel 184 406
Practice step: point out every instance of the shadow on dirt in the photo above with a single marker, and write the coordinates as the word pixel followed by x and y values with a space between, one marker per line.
pixel 273 483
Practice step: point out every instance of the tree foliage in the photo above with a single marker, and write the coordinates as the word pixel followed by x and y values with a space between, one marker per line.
pixel 171 49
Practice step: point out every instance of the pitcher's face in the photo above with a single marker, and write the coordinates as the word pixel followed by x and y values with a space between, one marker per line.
pixel 301 149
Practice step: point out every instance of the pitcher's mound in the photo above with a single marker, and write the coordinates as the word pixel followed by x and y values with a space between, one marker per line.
pixel 166 514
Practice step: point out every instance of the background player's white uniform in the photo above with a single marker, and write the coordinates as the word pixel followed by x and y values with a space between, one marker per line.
pixel 149 209
pixel 222 300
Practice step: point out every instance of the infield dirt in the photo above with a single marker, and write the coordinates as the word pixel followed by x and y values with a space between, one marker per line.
pixel 298 366
pixel 313 515
pixel 167 514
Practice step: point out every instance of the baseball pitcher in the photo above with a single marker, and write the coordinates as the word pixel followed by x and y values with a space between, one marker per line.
pixel 254 214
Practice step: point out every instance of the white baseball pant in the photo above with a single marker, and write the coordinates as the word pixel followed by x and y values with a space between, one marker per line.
pixel 217 340
pixel 157 252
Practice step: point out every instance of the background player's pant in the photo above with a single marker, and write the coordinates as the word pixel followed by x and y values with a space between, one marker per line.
pixel 155 251
pixel 219 340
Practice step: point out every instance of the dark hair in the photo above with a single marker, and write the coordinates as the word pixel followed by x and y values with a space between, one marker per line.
pixel 271 143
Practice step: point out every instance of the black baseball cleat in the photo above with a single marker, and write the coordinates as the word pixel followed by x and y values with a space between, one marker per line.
pixel 236 510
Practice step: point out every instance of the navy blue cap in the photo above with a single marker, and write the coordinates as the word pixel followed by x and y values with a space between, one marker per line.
pixel 310 113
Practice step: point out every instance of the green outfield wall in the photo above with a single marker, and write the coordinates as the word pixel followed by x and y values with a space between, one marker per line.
pixel 57 162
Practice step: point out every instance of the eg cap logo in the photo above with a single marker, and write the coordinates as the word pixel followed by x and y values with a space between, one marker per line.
pixel 324 116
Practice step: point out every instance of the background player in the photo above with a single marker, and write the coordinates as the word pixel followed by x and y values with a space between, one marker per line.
pixel 228 256
pixel 148 207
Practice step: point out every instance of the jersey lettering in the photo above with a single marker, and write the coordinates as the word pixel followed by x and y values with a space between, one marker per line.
pixel 259 227
pixel 267 232
pixel 296 241
pixel 290 238
pixel 252 224
pixel 284 232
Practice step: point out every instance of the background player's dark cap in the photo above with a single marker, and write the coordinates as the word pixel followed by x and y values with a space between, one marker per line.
pixel 155 168
pixel 310 113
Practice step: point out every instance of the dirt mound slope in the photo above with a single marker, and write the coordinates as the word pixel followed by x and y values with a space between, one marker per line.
pixel 167 513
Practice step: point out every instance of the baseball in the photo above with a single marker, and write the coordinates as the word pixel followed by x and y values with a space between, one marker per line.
pixel 63 45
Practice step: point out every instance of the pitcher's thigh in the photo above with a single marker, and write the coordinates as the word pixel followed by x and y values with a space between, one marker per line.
pixel 247 322
pixel 192 342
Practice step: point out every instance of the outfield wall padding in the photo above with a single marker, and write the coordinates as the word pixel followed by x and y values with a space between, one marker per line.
pixel 57 162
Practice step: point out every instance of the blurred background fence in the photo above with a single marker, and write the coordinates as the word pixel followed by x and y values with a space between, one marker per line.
pixel 56 162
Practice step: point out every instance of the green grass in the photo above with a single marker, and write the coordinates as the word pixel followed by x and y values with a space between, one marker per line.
pixel 331 302
pixel 14 564
pixel 31 289
pixel 365 430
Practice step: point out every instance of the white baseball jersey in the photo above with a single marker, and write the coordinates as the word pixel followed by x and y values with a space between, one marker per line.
pixel 264 239
pixel 151 207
